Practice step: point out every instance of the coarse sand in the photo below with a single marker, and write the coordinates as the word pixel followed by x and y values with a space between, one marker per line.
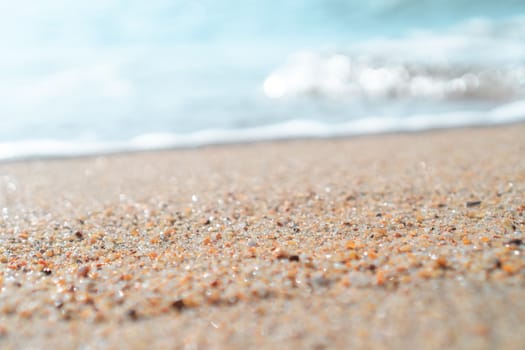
pixel 403 241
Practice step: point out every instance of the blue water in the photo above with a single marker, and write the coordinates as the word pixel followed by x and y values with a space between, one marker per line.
pixel 111 76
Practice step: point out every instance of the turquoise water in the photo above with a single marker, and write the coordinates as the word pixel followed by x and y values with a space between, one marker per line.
pixel 110 75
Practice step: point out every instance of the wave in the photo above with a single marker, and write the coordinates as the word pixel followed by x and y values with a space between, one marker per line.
pixel 341 76
pixel 476 60
pixel 294 129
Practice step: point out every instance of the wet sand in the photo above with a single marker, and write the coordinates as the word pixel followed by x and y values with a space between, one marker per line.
pixel 392 241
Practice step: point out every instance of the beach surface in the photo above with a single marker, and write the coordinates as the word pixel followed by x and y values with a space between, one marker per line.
pixel 405 241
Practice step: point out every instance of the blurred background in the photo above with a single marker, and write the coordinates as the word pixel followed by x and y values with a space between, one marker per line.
pixel 98 76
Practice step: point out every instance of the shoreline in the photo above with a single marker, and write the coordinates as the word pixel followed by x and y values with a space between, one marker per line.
pixel 121 151
pixel 400 240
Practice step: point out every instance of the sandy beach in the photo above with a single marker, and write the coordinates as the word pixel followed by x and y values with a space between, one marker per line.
pixel 403 241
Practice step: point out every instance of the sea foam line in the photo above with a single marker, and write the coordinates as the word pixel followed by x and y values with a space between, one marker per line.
pixel 293 129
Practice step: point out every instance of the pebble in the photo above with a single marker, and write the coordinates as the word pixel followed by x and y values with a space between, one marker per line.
pixel 472 204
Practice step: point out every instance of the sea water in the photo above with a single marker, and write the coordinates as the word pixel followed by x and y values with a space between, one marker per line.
pixel 110 76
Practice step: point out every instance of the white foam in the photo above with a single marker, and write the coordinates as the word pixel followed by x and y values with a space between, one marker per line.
pixel 349 78
pixel 478 59
pixel 508 113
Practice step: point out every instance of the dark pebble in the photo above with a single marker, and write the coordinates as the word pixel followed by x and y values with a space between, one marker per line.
pixel 516 241
pixel 178 305
pixel 132 314
pixel 498 264
pixel 47 271
pixel 473 204
pixel 293 258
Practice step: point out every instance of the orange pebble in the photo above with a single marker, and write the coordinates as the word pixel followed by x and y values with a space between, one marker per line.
pixel 350 245
pixel 510 269
pixel 126 277
pixel 441 262
pixel 380 278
